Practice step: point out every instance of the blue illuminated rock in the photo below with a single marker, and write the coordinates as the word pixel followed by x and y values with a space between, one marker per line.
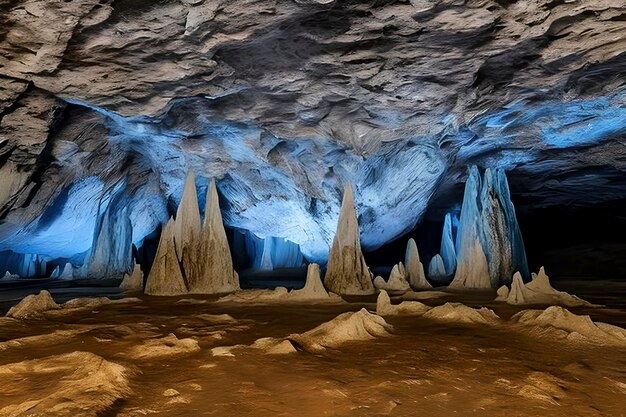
pixel 414 267
pixel 494 233
pixel 436 269
pixel 347 273
pixel 519 262
pixel 472 269
pixel 447 251
pixel 111 253
pixel 488 233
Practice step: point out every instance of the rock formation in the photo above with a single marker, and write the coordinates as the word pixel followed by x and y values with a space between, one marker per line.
pixel 347 273
pixel 216 270
pixel 67 272
pixel 70 384
pixel 346 327
pixel 166 277
pixel 33 305
pixel 536 85
pixel 110 255
pixel 385 308
pixel 537 291
pixel 313 288
pixel 133 282
pixel 437 269
pixel 414 267
pixel 397 281
pixel 9 276
pixel 462 314
pixel 488 237
pixel 447 250
pixel 556 322
pixel 193 258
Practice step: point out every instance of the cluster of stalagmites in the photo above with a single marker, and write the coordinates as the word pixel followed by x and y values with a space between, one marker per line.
pixel 193 257
pixel 482 249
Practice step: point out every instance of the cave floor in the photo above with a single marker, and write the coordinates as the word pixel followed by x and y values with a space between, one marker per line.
pixel 425 368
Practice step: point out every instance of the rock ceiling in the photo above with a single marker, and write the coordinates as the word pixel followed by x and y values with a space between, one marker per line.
pixel 110 102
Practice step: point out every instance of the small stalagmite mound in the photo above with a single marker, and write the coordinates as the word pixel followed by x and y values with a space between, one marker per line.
pixel 557 322
pixel 397 280
pixel 72 384
pixel 538 291
pixel 460 313
pixel 414 268
pixel 166 347
pixel 385 308
pixel 33 306
pixel 359 326
pixel 313 288
pixel 133 282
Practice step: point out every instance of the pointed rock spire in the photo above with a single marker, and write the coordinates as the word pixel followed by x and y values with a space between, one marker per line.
pixel 437 269
pixel 347 273
pixel 133 282
pixel 313 288
pixel 447 251
pixel 215 264
pixel 472 268
pixel 166 277
pixel 415 268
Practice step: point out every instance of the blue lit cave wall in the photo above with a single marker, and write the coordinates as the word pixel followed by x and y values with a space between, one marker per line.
pixel 291 187
pixel 106 105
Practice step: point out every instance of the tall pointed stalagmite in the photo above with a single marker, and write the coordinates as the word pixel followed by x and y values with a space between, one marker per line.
pixel 347 273
pixel 415 268
pixel 187 227
pixel 215 264
pixel 166 277
pixel 472 268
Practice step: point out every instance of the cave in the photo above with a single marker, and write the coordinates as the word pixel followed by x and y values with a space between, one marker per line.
pixel 205 203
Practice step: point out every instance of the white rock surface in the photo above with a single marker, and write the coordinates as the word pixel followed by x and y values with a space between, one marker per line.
pixel 414 268
pixel 133 282
pixel 347 273
pixel 9 276
pixel 68 272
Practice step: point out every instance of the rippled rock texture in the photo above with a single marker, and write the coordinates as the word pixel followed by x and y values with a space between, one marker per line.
pixel 111 102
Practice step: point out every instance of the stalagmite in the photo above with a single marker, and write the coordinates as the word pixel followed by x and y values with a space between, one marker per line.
pixel 216 273
pixel 187 230
pixel 472 268
pixel 397 280
pixel 347 273
pixel 518 252
pixel 447 251
pixel 494 233
pixel 68 272
pixel 437 269
pixel 313 288
pixel 133 282
pixel 415 268
pixel 166 277
pixel 265 263
pixel 538 291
